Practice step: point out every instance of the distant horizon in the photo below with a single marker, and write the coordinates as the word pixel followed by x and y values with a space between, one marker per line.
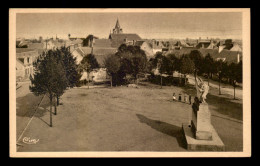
pixel 223 25
pixel 37 38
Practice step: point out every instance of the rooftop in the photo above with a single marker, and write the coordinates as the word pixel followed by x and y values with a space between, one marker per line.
pixel 22 50
pixel 105 43
pixel 231 56
pixel 118 39
pixel 100 53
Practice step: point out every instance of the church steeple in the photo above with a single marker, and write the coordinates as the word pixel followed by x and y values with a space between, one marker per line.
pixel 117 24
pixel 117 29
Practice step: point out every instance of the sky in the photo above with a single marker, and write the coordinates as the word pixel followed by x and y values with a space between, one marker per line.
pixel 146 25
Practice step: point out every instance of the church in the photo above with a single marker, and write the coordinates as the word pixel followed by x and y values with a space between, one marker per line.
pixel 117 37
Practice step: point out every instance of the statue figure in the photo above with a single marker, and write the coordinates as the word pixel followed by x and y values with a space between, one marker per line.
pixel 202 89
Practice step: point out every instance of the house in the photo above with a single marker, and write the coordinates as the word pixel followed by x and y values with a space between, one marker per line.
pixel 180 44
pixel 206 44
pixel 73 44
pixel 146 47
pixel 157 46
pixel 229 45
pixel 100 53
pixel 227 55
pixel 40 47
pixel 24 62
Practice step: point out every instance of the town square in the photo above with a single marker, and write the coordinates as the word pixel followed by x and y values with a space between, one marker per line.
pixel 123 82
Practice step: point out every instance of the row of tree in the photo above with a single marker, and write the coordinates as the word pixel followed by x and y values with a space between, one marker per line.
pixel 54 72
pixel 195 63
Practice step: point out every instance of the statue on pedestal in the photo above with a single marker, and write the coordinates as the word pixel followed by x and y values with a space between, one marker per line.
pixel 202 89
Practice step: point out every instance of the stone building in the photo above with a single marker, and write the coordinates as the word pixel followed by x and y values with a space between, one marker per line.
pixel 24 62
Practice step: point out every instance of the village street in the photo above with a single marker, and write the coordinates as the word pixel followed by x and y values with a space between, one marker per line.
pixel 124 119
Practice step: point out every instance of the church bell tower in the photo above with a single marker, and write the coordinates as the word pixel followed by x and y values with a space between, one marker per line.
pixel 117 29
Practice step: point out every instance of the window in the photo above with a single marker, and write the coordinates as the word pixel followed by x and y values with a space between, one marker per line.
pixel 28 60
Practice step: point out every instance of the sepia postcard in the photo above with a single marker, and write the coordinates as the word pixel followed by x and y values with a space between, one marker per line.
pixel 130 82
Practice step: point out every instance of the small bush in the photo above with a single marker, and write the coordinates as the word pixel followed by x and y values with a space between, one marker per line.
pixel 167 81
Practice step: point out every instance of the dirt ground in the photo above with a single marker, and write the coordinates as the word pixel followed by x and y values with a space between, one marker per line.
pixel 127 119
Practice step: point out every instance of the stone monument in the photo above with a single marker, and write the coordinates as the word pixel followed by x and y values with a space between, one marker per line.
pixel 200 134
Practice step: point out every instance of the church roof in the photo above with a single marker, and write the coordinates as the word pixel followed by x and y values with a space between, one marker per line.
pixel 118 39
pixel 102 43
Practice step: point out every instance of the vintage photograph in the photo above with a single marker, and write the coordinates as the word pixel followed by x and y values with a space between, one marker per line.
pixel 129 82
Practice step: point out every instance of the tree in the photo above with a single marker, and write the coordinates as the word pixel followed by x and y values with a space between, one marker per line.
pixel 221 69
pixel 139 61
pixel 69 63
pixel 89 39
pixel 186 66
pixel 235 74
pixel 163 64
pixel 133 60
pixel 49 77
pixel 88 63
pixel 112 64
pixel 208 65
pixel 174 62
pixel 197 59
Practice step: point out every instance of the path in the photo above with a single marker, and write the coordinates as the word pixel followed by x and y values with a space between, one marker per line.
pixel 225 88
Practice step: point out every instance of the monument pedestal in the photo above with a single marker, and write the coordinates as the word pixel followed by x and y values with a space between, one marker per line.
pixel 201 135
pixel 201 123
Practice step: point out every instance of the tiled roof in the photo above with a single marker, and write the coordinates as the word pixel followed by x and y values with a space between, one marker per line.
pixel 21 50
pixel 102 43
pixel 20 61
pixel 139 43
pixel 118 39
pixel 154 45
pixel 181 43
pixel 36 45
pixel 205 44
pixel 22 43
pixel 230 56
pixel 179 53
pixel 100 53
